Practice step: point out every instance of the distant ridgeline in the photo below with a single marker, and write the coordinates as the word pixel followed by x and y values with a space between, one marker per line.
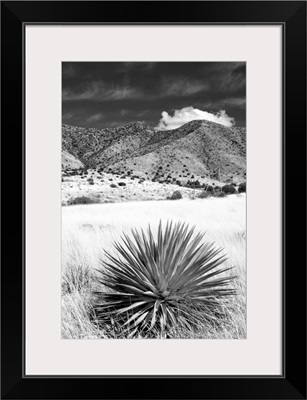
pixel 197 149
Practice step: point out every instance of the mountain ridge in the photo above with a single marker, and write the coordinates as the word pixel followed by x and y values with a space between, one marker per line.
pixel 197 148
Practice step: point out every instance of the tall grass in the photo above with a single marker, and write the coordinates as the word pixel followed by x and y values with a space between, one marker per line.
pixel 90 229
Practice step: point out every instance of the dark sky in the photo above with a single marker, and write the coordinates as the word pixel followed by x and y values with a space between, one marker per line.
pixel 108 94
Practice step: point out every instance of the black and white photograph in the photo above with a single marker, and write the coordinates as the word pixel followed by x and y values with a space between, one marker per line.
pixel 153 200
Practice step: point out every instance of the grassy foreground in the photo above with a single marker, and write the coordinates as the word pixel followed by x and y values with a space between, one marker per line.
pixel 90 229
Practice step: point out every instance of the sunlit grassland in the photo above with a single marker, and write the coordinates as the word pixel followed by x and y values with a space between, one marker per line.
pixel 90 229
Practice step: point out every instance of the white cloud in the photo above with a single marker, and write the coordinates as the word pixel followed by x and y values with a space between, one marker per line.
pixel 67 116
pixel 188 114
pixel 100 91
pixel 95 118
pixel 182 87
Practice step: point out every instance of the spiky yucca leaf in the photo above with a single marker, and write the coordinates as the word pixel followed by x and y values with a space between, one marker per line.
pixel 156 283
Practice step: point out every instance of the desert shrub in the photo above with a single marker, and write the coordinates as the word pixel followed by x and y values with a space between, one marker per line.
pixel 80 200
pixel 208 188
pixel 90 180
pixel 229 189
pixel 121 184
pixel 113 185
pixel 203 194
pixel 156 284
pixel 219 194
pixel 242 187
pixel 176 195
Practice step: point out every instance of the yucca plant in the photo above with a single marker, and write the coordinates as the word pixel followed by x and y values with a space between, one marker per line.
pixel 159 283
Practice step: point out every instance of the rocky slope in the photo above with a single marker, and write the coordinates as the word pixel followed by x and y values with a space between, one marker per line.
pixel 70 162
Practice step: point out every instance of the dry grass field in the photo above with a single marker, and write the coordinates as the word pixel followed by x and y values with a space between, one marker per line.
pixel 88 230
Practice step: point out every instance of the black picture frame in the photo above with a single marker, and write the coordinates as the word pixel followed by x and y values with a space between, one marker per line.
pixel 292 383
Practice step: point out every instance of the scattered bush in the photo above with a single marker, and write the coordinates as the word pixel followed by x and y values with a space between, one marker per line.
pixel 113 185
pixel 229 189
pixel 242 187
pixel 80 200
pixel 204 194
pixel 176 195
pixel 208 188
pixel 219 194
pixel 121 184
